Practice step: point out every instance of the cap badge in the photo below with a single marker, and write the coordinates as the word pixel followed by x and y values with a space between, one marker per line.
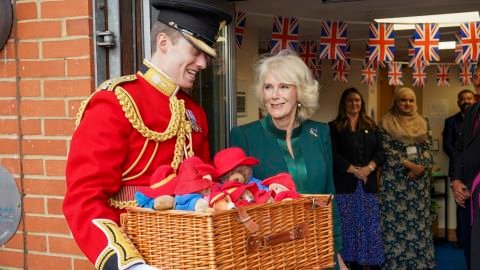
pixel 314 132
pixel 193 121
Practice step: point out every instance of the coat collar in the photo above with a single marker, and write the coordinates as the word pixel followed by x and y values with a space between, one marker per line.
pixel 268 124
pixel 158 79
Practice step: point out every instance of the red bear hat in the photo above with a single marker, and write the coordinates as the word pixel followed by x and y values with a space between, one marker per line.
pixel 284 179
pixel 162 182
pixel 229 158
pixel 192 176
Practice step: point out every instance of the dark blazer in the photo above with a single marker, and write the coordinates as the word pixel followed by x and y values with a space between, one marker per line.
pixel 451 132
pixel 467 165
pixel 357 149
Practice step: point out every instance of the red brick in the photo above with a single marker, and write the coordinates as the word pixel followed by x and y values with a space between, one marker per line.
pixel 28 50
pixel 8 51
pixel 26 11
pixel 36 242
pixel 63 245
pixel 44 147
pixel 73 106
pixel 8 107
pixel 55 167
pixel 12 165
pixel 79 67
pixel 34 205
pixel 33 166
pixel 8 89
pixel 67 48
pixel 79 264
pixel 9 146
pixel 42 29
pixel 68 88
pixel 40 224
pixel 77 27
pixel 50 68
pixel 31 127
pixel 42 262
pixel 12 258
pixel 54 206
pixel 16 242
pixel 60 9
pixel 8 126
pixel 43 108
pixel 59 127
pixel 8 69
pixel 29 88
pixel 44 187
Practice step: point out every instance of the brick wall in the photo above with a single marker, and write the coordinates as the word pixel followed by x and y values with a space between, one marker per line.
pixel 46 69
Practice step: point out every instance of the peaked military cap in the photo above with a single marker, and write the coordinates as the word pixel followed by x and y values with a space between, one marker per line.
pixel 199 22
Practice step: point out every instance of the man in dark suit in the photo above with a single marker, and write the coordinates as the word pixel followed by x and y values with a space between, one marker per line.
pixel 466 167
pixel 451 133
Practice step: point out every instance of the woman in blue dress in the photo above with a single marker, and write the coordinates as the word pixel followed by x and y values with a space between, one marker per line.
pixel 357 153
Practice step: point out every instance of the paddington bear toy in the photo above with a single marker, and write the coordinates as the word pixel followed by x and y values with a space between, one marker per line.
pixel 159 195
pixel 232 164
pixel 283 187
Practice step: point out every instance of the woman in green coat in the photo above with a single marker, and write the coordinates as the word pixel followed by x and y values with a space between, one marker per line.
pixel 285 140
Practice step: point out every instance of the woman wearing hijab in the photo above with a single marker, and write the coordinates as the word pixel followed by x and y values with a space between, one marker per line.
pixel 405 185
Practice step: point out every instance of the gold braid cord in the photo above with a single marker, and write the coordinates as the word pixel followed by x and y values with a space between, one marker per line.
pixel 121 204
pixel 178 125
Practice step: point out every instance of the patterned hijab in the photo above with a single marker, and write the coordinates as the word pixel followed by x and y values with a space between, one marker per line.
pixel 406 127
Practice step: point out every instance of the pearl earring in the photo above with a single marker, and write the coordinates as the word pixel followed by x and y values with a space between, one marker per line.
pixel 299 104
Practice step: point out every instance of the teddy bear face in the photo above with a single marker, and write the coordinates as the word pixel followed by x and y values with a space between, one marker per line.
pixel 224 203
pixel 277 188
pixel 239 174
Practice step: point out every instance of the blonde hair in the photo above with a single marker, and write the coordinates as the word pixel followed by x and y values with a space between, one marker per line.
pixel 287 67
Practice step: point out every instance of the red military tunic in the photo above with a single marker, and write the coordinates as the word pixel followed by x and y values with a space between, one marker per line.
pixel 113 152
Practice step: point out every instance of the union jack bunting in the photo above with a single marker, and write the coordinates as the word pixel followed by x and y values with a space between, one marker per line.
pixel 458 49
pixel 466 73
pixel 333 40
pixel 284 34
pixel 443 74
pixel 381 42
pixel 470 40
pixel 394 73
pixel 419 75
pixel 369 74
pixel 308 51
pixel 240 23
pixel 348 55
pixel 425 42
pixel 340 71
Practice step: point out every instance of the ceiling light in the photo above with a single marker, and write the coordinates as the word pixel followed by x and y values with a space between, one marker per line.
pixel 445 20
pixel 446 45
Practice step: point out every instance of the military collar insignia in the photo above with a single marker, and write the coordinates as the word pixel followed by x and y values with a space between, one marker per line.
pixel 193 121
pixel 159 79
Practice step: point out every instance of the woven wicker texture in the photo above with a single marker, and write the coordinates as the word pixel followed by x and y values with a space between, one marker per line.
pixel 188 240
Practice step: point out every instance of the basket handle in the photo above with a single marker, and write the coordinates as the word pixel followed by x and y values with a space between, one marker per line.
pixel 257 242
pixel 247 221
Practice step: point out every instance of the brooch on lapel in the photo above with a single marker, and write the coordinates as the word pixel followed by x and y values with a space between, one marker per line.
pixel 193 121
pixel 314 132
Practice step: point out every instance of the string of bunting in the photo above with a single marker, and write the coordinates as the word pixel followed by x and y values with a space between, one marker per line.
pixel 334 45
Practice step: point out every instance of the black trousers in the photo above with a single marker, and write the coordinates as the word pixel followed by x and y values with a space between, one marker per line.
pixel 464 229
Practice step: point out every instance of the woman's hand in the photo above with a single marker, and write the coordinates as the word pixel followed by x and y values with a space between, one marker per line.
pixel 415 170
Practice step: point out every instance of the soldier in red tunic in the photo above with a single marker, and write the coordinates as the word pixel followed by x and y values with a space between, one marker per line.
pixel 133 124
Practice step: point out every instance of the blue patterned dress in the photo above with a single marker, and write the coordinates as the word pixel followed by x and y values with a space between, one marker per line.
pixel 405 207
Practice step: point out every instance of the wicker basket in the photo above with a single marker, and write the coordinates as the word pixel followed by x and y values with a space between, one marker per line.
pixel 294 234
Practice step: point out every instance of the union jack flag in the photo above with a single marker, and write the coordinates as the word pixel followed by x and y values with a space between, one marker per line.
pixel 308 51
pixel 466 77
pixel 419 75
pixel 470 40
pixel 381 42
pixel 394 73
pixel 425 42
pixel 443 73
pixel 340 71
pixel 348 55
pixel 284 34
pixel 240 23
pixel 333 40
pixel 458 49
pixel 369 74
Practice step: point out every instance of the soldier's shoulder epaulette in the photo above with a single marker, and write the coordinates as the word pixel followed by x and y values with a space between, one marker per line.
pixel 110 85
